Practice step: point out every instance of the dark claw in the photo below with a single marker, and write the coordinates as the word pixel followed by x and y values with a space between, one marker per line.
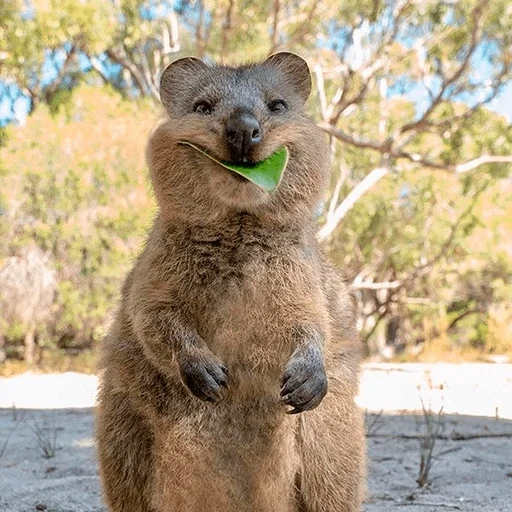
pixel 203 374
pixel 286 400
pixel 304 382
pixel 292 384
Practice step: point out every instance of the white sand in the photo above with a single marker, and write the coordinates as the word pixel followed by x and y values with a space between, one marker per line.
pixel 475 473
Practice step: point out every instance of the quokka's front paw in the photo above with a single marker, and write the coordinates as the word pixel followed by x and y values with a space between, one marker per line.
pixel 203 374
pixel 304 382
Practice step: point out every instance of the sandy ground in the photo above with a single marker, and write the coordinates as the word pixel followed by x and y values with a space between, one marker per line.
pixel 472 471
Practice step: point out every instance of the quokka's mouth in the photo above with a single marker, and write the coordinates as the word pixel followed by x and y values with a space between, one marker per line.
pixel 266 174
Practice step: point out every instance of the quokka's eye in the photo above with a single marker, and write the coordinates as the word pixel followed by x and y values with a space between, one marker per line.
pixel 203 107
pixel 278 106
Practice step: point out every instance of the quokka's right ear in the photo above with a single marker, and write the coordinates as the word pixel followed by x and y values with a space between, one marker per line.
pixel 295 69
pixel 177 79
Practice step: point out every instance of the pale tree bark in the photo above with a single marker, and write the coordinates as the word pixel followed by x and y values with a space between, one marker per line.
pixel 350 200
pixel 371 179
pixel 364 71
pixel 144 63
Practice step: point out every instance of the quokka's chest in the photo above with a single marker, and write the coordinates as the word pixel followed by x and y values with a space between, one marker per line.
pixel 253 275
pixel 249 284
pixel 226 263
pixel 251 310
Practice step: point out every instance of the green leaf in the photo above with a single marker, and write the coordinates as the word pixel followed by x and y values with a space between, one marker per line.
pixel 266 174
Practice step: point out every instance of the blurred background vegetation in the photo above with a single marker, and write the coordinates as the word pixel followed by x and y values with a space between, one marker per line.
pixel 416 97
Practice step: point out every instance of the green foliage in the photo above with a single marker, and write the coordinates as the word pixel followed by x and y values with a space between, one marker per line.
pixel 76 187
pixel 33 32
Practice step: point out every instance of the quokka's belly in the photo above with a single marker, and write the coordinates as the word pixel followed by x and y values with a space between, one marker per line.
pixel 255 354
pixel 252 324
pixel 227 458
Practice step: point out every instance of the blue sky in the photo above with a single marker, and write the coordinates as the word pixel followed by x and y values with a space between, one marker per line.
pixel 503 103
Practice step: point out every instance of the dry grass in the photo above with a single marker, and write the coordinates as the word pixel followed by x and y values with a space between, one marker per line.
pixel 46 436
pixel 433 425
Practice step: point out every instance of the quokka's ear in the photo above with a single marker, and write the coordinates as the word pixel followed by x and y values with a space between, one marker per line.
pixel 295 69
pixel 177 79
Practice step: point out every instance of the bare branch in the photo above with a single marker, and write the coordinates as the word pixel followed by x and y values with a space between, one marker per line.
pixel 170 35
pixel 453 168
pixel 334 101
pixel 423 120
pixel 358 143
pixel 370 285
pixel 455 436
pixel 51 89
pixel 127 64
pixel 383 311
pixel 430 504
pixel 369 71
pixel 482 160
pixel 337 189
pixel 320 85
pixel 146 73
pixel 366 184
pixel 460 317
pixel 345 101
pixel 385 149
pixel 96 65
pixel 348 203
pixel 450 122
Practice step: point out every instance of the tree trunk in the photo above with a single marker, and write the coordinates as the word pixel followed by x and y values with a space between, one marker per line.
pixel 3 356
pixel 30 346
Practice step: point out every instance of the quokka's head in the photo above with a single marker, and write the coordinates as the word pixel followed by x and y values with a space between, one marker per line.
pixel 239 115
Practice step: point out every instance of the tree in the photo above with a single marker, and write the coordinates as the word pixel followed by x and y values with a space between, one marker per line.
pixel 402 97
pixel 73 185
pixel 42 42
pixel 403 90
pixel 145 39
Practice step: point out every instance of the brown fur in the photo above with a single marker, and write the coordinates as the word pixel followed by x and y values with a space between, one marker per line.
pixel 231 275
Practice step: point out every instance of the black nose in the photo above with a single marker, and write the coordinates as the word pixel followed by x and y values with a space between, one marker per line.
pixel 242 133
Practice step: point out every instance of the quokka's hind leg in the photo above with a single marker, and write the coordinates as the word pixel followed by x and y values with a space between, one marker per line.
pixel 331 446
pixel 125 455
